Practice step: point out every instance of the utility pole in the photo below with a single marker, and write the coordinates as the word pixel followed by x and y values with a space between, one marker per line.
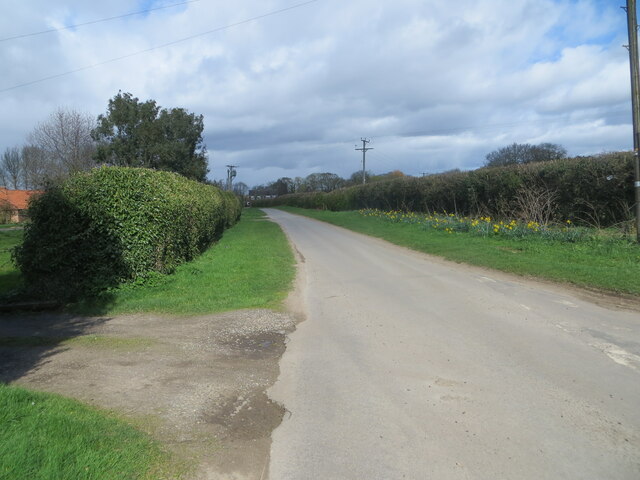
pixel 364 153
pixel 231 173
pixel 632 27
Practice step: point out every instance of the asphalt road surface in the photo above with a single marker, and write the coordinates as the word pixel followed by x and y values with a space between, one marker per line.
pixel 412 367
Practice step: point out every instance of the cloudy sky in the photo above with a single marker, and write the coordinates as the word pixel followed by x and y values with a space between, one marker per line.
pixel 435 84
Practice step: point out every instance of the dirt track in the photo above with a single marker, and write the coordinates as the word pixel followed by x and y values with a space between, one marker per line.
pixel 196 384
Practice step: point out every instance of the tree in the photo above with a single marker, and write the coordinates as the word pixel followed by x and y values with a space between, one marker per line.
pixel 282 186
pixel 545 152
pixel 11 167
pixel 141 134
pixel 356 178
pixel 323 182
pixel 241 188
pixel 64 143
pixel 519 154
pixel 262 190
pixel 298 185
pixel 35 173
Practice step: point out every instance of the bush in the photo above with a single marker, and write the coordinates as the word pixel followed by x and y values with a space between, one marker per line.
pixel 594 191
pixel 117 224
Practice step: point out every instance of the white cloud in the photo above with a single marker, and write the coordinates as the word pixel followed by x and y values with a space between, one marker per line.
pixel 437 87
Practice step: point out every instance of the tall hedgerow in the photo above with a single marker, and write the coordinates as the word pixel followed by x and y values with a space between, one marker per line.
pixel 588 190
pixel 117 224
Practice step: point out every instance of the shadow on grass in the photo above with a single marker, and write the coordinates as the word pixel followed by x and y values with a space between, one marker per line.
pixel 27 342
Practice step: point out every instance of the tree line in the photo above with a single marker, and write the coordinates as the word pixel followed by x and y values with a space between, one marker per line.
pixel 131 133
pixel 319 182
pixel 142 134
pixel 514 154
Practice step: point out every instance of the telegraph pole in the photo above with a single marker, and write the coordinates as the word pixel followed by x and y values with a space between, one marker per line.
pixel 231 173
pixel 632 27
pixel 364 153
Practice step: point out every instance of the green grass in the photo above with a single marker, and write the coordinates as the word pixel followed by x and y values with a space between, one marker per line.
pixel 604 264
pixel 252 266
pixel 99 341
pixel 9 275
pixel 45 436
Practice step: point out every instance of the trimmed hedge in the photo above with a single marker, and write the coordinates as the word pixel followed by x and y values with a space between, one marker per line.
pixel 118 224
pixel 588 190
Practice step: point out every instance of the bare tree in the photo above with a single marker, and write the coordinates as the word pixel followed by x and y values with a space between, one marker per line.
pixel 241 188
pixel 34 167
pixel 323 182
pixel 11 168
pixel 65 139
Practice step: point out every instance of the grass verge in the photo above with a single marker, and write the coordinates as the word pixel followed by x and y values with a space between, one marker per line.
pixel 45 436
pixel 252 266
pixel 603 264
pixel 9 275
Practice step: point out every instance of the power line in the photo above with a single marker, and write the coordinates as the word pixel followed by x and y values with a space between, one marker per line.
pixel 92 22
pixel 157 47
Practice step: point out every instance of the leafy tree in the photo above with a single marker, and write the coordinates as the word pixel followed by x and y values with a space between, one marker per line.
pixel 522 153
pixel 141 134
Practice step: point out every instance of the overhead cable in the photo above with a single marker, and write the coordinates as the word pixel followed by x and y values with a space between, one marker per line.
pixel 68 27
pixel 157 47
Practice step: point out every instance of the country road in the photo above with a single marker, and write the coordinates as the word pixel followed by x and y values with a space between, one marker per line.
pixel 412 367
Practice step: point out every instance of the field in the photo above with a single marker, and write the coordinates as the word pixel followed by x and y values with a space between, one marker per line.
pixel 586 258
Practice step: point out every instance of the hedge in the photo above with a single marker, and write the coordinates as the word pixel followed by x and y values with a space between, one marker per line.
pixel 586 190
pixel 118 224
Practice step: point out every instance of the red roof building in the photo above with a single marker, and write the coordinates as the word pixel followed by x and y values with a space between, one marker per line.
pixel 14 204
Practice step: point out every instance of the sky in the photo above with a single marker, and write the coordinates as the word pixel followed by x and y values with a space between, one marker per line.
pixel 289 87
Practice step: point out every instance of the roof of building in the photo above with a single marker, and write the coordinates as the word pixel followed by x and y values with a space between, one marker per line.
pixel 18 199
